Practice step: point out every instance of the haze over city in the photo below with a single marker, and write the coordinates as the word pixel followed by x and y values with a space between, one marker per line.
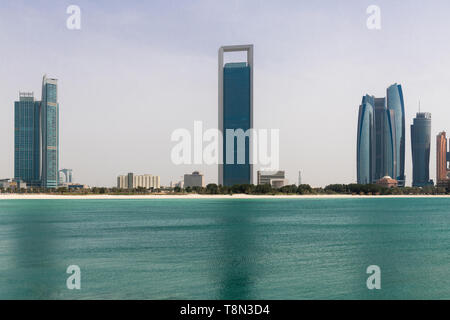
pixel 136 72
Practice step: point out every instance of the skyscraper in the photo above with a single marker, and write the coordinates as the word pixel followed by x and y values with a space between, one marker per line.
pixel 26 139
pixel 442 159
pixel 381 137
pixel 236 117
pixel 384 140
pixel 395 103
pixel 49 133
pixel 420 147
pixel 365 141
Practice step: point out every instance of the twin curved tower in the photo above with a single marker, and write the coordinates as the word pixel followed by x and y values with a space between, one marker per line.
pixel 381 137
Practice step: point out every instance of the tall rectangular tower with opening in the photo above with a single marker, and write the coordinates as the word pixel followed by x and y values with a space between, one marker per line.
pixel 236 117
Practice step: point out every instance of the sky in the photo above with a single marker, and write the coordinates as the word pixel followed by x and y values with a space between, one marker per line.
pixel 138 70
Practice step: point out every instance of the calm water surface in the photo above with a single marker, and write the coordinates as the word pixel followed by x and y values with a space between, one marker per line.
pixel 225 249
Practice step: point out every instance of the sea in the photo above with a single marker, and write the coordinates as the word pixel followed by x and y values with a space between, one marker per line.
pixel 225 249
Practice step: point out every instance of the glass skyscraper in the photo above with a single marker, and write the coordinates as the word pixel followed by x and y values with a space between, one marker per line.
pixel 395 103
pixel 236 117
pixel 365 141
pixel 384 140
pixel 26 139
pixel 49 133
pixel 381 137
pixel 420 147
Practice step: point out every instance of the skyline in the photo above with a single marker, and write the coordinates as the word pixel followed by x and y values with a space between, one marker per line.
pixel 118 84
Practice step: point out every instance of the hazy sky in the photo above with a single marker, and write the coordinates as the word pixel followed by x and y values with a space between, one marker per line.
pixel 138 70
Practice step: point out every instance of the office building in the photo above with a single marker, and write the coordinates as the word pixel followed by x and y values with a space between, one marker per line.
pixel 381 137
pixel 396 104
pixel 236 117
pixel 49 133
pixel 36 137
pixel 27 149
pixel 385 157
pixel 276 179
pixel 365 141
pixel 442 160
pixel 194 180
pixel 420 147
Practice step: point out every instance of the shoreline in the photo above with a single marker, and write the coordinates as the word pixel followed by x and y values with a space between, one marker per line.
pixel 15 196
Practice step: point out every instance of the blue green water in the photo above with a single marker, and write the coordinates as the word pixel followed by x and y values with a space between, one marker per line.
pixel 225 249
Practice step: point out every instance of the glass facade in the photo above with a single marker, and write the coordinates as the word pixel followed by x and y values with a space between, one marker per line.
pixel 365 141
pixel 26 140
pixel 395 103
pixel 236 115
pixel 387 142
pixel 389 145
pixel 50 133
pixel 384 140
pixel 420 147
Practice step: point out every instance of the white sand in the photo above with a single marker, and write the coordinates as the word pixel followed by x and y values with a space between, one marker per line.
pixel 7 196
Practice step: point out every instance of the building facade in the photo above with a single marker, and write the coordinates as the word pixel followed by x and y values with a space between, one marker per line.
pixel 442 159
pixel 420 147
pixel 195 179
pixel 236 117
pixel 27 151
pixel 132 181
pixel 49 133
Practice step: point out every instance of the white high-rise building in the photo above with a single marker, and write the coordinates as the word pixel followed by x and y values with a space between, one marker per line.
pixel 132 181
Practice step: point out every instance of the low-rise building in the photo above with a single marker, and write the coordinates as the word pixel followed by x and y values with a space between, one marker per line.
pixel 179 184
pixel 387 182
pixel 276 179
pixel 13 184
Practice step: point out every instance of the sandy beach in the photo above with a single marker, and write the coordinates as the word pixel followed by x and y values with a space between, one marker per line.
pixel 198 196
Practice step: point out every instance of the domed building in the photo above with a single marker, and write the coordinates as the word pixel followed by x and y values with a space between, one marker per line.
pixel 387 182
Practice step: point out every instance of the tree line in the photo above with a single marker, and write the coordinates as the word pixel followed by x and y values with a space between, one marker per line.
pixel 265 189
